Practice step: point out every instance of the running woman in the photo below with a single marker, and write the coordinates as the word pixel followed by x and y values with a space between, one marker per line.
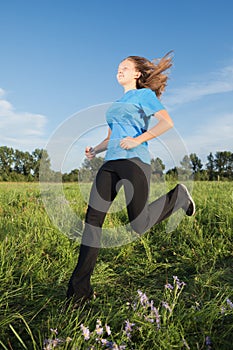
pixel 127 158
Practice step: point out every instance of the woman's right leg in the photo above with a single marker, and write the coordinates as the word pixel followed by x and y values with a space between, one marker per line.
pixel 143 215
pixel 102 194
pixel 160 209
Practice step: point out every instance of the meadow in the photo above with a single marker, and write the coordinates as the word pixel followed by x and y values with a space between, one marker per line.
pixel 165 290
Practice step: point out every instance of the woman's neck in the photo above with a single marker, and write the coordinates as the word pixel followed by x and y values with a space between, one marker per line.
pixel 129 87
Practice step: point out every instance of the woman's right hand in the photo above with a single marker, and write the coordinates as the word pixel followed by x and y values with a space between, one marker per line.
pixel 90 152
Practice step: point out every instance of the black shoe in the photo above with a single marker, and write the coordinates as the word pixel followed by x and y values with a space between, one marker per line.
pixel 74 303
pixel 190 209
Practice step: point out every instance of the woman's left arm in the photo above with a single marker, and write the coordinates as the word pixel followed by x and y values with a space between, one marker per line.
pixel 164 123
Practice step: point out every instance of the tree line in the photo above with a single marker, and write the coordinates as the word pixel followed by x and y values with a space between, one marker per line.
pixel 16 165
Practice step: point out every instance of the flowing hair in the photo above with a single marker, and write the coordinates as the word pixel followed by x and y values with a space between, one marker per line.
pixel 153 74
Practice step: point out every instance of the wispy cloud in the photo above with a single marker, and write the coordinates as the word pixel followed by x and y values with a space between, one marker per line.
pixel 213 136
pixel 21 130
pixel 213 83
pixel 2 92
pixel 211 130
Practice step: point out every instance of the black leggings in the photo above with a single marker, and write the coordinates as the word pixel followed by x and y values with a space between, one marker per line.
pixel 134 175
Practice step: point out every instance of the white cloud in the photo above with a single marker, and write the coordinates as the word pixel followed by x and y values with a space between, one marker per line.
pixel 213 83
pixel 211 129
pixel 20 130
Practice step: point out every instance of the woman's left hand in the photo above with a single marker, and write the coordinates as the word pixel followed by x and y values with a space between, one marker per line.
pixel 128 143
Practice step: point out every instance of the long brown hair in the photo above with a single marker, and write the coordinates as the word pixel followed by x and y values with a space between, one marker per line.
pixel 152 72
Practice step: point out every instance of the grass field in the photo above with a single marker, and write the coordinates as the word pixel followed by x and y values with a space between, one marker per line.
pixel 162 291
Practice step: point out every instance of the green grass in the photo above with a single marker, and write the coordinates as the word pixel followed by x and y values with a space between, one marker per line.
pixel 36 261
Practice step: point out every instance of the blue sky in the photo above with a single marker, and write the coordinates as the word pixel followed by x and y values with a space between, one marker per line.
pixel 59 57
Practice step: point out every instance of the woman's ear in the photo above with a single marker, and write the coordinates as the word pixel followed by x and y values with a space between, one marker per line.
pixel 137 75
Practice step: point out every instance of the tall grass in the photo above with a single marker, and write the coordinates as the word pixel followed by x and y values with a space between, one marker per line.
pixel 162 291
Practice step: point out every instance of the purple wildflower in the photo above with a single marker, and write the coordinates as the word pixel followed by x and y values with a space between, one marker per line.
pixel 47 344
pixel 155 313
pixel 50 344
pixel 143 298
pixel 128 328
pixel 108 330
pixel 165 304
pixel 223 310
pixel 178 283
pixel 134 306
pixel 229 303
pixel 208 341
pixel 157 317
pixel 104 341
pixel 99 329
pixel 114 346
pixel 169 286
pixel 86 332
pixel 54 331
pixel 149 319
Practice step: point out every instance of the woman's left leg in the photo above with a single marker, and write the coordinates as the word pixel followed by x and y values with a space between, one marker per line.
pixel 102 194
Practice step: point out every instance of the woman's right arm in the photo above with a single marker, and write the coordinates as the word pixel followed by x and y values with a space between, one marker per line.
pixel 91 152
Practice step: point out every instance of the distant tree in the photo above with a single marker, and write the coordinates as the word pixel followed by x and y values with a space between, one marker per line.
pixel 210 166
pixel 6 161
pixel 157 167
pixel 85 175
pixel 73 176
pixel 230 167
pixel 186 163
pixel 42 165
pixel 89 168
pixel 27 164
pixel 18 161
pixel 186 167
pixel 55 176
pixel 224 164
pixel 196 163
pixel 196 166
pixel 23 165
pixel 172 174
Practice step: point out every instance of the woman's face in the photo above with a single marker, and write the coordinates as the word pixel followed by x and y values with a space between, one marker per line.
pixel 127 74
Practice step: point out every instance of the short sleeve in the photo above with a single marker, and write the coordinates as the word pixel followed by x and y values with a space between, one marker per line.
pixel 150 102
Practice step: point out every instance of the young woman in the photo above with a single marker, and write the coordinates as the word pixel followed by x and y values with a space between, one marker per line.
pixel 127 159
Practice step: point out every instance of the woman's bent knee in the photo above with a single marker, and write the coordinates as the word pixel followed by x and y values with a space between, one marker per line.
pixel 138 227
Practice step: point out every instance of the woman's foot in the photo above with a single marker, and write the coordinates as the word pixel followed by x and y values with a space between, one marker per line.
pixel 77 303
pixel 190 207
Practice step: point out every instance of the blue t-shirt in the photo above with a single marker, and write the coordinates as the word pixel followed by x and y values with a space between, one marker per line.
pixel 130 116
